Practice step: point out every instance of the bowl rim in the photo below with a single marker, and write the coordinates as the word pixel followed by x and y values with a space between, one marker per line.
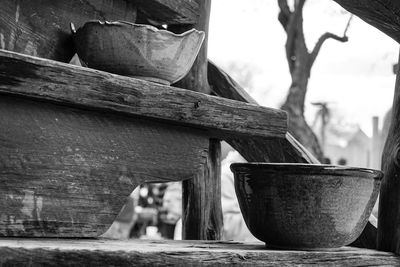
pixel 304 168
pixel 120 23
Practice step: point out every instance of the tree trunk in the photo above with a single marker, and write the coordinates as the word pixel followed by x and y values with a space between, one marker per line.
pixel 294 105
pixel 300 62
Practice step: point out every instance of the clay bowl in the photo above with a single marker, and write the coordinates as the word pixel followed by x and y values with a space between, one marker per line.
pixel 304 206
pixel 136 50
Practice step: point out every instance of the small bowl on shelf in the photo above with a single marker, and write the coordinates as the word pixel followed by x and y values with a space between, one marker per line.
pixel 137 50
pixel 305 206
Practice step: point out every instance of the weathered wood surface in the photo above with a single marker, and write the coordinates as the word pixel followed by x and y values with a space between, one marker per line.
pixel 168 11
pixel 41 28
pixel 202 211
pixel 65 172
pixel 287 149
pixel 382 14
pixel 64 252
pixel 72 85
pixel 389 199
pixel 255 149
pixel 201 200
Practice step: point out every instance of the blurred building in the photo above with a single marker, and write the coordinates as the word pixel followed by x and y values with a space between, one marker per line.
pixel 347 145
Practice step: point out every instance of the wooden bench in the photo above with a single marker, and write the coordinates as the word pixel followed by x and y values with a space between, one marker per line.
pixel 46 98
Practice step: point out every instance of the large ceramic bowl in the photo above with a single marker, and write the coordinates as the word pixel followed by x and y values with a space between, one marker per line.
pixel 137 50
pixel 302 206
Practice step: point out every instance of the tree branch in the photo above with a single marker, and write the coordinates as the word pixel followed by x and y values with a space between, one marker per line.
pixel 326 36
pixel 322 40
pixel 284 14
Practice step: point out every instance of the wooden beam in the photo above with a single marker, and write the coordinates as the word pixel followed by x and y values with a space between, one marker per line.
pixel 168 11
pixel 389 198
pixel 261 149
pixel 382 14
pixel 87 252
pixel 202 212
pixel 72 85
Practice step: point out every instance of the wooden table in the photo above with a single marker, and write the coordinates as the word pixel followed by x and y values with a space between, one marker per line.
pixel 98 252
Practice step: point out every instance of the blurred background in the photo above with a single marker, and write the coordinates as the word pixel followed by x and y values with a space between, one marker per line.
pixel 347 103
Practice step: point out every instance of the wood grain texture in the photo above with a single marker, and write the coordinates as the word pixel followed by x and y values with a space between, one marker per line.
pixel 201 200
pixel 41 28
pixel 65 172
pixel 201 197
pixel 168 11
pixel 389 199
pixel 64 252
pixel 73 85
pixel 382 14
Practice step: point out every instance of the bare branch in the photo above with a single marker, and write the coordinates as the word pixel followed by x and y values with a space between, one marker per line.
pixel 284 14
pixel 327 36
pixel 348 25
pixel 322 40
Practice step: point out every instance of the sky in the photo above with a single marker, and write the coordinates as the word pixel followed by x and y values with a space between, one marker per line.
pixel 356 77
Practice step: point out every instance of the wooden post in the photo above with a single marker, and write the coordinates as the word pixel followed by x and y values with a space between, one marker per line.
pixel 389 201
pixel 202 212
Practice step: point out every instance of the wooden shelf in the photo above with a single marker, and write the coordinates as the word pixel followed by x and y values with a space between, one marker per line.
pixel 66 252
pixel 49 80
pixel 76 141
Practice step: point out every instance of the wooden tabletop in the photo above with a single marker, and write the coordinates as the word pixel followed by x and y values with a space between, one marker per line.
pixel 100 252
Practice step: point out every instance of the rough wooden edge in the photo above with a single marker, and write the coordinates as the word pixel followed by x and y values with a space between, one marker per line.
pixel 285 150
pixel 382 14
pixel 73 85
pixel 66 252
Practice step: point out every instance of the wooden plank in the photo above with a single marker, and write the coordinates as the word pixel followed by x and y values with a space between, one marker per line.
pixel 382 14
pixel 64 252
pixel 41 28
pixel 65 172
pixel 256 149
pixel 168 11
pixel 73 85
pixel 389 199
pixel 202 211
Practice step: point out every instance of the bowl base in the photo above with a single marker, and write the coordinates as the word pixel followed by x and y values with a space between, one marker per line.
pixel 152 79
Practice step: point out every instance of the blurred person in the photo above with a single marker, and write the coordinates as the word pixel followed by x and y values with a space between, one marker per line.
pixel 171 210
pixel 234 225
